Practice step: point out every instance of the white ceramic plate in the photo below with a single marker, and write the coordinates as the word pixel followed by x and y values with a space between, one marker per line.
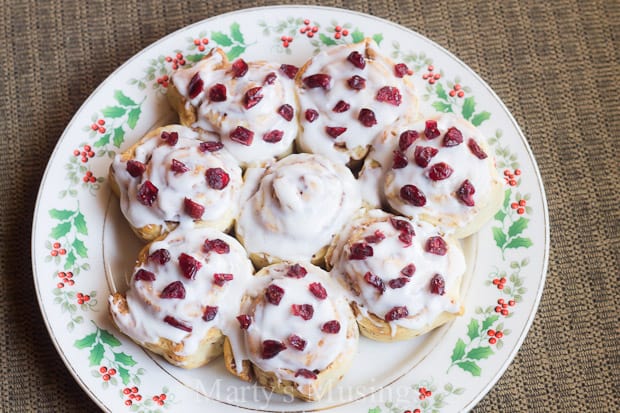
pixel 82 248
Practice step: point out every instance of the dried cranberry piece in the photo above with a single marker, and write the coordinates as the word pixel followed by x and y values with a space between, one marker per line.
pixel 396 313
pixel 466 192
pixel 144 275
pixel 274 294
pixel 405 238
pixel 147 194
pixel 217 178
pixel 335 131
pixel 296 271
pixel 400 70
pixel 440 171
pixel 398 282
pixel 286 111
pixel 356 82
pixel 453 137
pixel 408 270
pixel 375 281
pixel 367 117
pixel 217 93
pixel 289 70
pixel 399 160
pixel 375 238
pixel 178 324
pixel 178 167
pixel 331 327
pixel 252 97
pixel 160 256
pixel 306 373
pixel 475 149
pixel 436 245
pixel 135 168
pixel 173 290
pixel 271 348
pixel 244 321
pixel 216 245
pixel 318 80
pixel 357 59
pixel 341 106
pixel 196 84
pixel 406 139
pixel 171 138
pixel 270 78
pixel 318 290
pixel 242 135
pixel 193 209
pixel 430 130
pixel 360 251
pixel 189 265
pixel 297 342
pixel 411 194
pixel 389 94
pixel 222 278
pixel 423 155
pixel 438 285
pixel 305 311
pixel 210 146
pixel 402 225
pixel 209 313
pixel 273 136
pixel 311 115
pixel 239 68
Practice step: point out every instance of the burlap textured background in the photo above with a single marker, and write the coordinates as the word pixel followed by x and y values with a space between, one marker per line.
pixel 555 65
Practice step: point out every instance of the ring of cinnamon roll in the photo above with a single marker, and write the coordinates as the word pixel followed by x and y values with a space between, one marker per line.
pixel 184 295
pixel 175 175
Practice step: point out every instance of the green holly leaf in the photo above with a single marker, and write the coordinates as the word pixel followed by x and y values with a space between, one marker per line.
pixel 517 227
pixel 507 196
pixel 500 215
pixel 236 33
pixel 70 260
pixel 326 40
pixel 235 52
pixel 473 329
pixel 221 39
pixel 499 236
pixel 357 36
pixel 488 322
pixel 377 37
pixel 124 375
pixel 441 92
pixel 469 105
pixel 470 367
pixel 480 117
pixel 113 112
pixel 80 248
pixel 60 230
pixel 96 354
pixel 85 342
pixel 194 58
pixel 132 117
pixel 519 242
pixel 80 224
pixel 124 359
pixel 108 338
pixel 61 214
pixel 480 353
pixel 119 136
pixel 123 99
pixel 442 106
pixel 375 410
pixel 103 141
pixel 459 350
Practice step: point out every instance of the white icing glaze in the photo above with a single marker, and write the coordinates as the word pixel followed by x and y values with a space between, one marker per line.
pixel 302 201
pixel 389 257
pixel 224 117
pixel 442 206
pixel 174 187
pixel 276 322
pixel 144 322
pixel 354 142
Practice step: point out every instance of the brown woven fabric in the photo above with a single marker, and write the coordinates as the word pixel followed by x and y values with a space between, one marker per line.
pixel 554 64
